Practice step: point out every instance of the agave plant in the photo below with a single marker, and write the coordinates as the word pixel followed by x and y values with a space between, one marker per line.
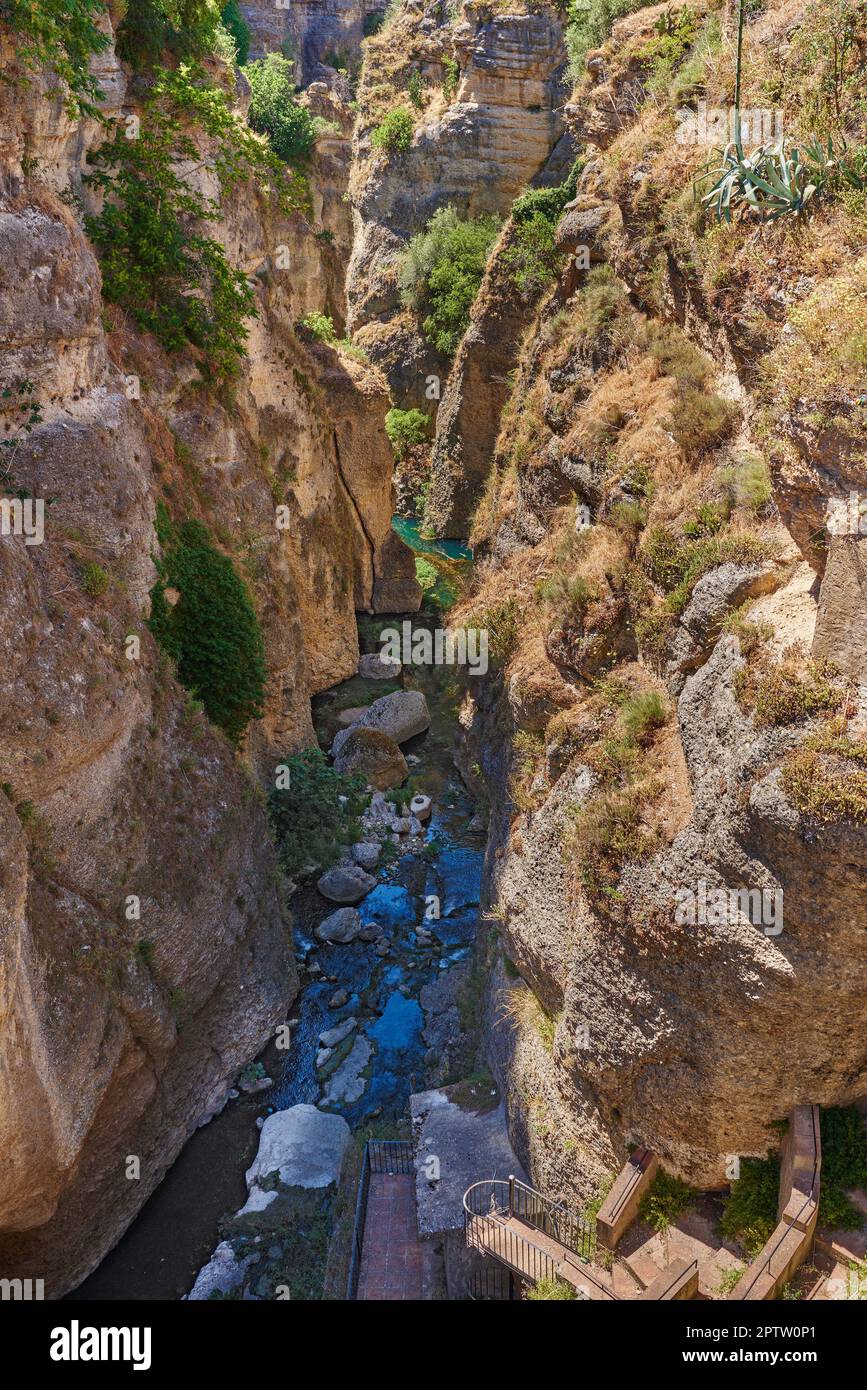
pixel 772 181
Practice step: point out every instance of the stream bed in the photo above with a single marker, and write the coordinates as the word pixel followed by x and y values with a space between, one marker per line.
pixel 403 1001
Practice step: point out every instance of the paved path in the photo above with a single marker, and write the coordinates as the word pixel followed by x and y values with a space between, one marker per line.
pixel 391 1256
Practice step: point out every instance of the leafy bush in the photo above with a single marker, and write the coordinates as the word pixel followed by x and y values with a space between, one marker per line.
pixel 275 112
pixel 589 27
pixel 393 135
pixel 415 89
pixel 174 282
pixel 234 22
pixel 63 37
pixel 311 823
pixel 750 1212
pixel 426 573
pixel 441 271
pixel 318 326
pixel 149 28
pixel 550 1291
pixel 550 202
pixel 667 1199
pixel 533 258
pixel 844 1166
pixel 94 579
pixel 406 428
pixel 212 632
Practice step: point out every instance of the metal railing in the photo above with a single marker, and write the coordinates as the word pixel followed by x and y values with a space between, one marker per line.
pixel 491 1284
pixel 554 1219
pixel 490 1236
pixel 393 1156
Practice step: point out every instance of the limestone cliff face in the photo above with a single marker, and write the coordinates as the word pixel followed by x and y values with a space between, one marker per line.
pixel 145 950
pixel 611 1020
pixel 476 145
pixel 315 33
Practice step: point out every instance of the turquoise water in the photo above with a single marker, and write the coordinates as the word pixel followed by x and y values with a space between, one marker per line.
pixel 408 530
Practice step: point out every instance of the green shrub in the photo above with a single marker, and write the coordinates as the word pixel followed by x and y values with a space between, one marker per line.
pixel 275 112
pixel 533 259
pixel 212 632
pixel 451 77
pixel 318 326
pixel 441 272
pixel 236 25
pixel 63 37
pixel 750 1212
pixel 427 574
pixel 589 27
pixel 406 428
pixel 551 1291
pixel 311 823
pixel 393 135
pixel 667 1199
pixel 415 89
pixel 550 202
pixel 150 28
pixel 94 579
pixel 844 1166
pixel 174 282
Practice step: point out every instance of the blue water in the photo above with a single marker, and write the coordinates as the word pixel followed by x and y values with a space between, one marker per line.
pixel 400 1024
pixel 390 905
pixel 408 530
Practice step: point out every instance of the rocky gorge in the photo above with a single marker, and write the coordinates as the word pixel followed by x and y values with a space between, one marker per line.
pixel 487 287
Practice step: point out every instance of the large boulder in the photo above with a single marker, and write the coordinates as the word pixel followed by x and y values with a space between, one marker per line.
pixel 373 666
pixel 375 755
pixel 345 883
pixel 303 1146
pixel 399 715
pixel 342 925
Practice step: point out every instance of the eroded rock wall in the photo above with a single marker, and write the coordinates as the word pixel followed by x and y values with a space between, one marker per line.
pixel 145 948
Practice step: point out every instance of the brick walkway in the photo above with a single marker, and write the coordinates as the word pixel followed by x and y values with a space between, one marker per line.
pixel 391 1257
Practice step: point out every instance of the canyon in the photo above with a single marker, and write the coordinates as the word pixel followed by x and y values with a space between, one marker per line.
pixel 639 433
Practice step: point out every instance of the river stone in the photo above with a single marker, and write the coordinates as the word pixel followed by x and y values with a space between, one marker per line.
pixel 376 667
pixel 420 806
pixel 345 717
pixel 367 853
pixel 335 1036
pixel 347 1084
pixel 400 715
pixel 342 925
pixel 303 1145
pixel 373 754
pixel 338 999
pixel 345 883
pixel 222 1274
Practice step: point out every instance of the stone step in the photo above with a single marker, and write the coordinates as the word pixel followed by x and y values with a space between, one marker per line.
pixel 642 1268
pixel 624 1283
